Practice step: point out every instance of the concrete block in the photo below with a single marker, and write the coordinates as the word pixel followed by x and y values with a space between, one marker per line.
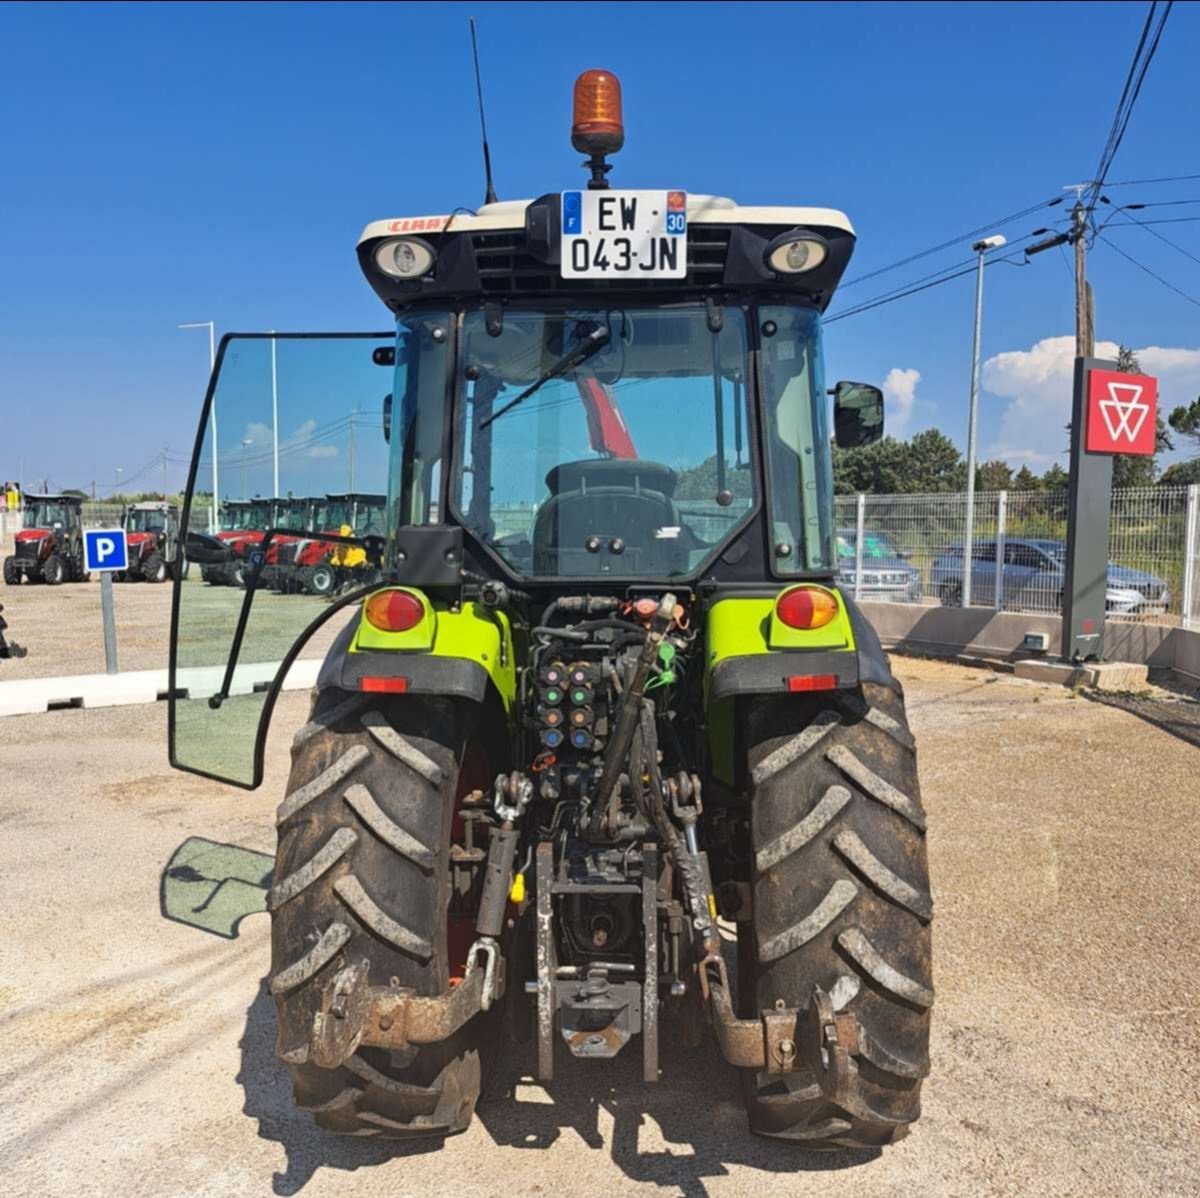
pixel 1103 676
pixel 1119 676
pixel 1057 672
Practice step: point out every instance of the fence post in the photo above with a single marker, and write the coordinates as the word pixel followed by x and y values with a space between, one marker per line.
pixel 1191 552
pixel 1001 521
pixel 859 522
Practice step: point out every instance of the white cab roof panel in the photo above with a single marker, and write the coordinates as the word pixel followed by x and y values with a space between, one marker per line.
pixel 510 214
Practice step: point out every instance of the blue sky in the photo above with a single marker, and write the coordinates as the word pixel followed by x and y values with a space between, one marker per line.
pixel 168 163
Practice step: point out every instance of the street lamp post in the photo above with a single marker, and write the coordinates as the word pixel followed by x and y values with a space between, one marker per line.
pixel 212 363
pixel 980 248
pixel 274 415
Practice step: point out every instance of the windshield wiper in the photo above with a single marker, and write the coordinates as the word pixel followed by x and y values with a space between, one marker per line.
pixel 592 344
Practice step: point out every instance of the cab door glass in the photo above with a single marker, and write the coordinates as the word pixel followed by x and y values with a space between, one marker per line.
pixel 293 433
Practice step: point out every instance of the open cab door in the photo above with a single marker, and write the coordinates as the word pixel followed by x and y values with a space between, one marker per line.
pixel 285 416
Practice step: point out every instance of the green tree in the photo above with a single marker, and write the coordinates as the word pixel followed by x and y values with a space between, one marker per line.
pixel 1055 479
pixel 993 476
pixel 1026 480
pixel 876 469
pixel 700 481
pixel 1186 422
pixel 934 464
pixel 1181 474
pixel 928 462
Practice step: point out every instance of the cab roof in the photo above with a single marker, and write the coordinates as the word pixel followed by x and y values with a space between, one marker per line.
pixel 76 500
pixel 701 209
pixel 512 251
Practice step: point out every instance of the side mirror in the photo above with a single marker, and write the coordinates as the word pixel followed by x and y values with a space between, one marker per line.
pixel 387 419
pixel 857 414
pixel 200 547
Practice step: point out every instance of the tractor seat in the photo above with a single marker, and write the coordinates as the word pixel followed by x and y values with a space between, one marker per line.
pixel 609 499
pixel 611 472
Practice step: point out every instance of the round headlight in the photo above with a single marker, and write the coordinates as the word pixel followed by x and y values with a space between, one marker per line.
pixel 795 255
pixel 404 258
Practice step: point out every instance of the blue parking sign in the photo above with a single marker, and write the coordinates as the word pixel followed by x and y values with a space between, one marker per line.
pixel 105 549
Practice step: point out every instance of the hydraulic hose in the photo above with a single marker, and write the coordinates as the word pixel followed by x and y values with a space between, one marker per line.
pixel 627 718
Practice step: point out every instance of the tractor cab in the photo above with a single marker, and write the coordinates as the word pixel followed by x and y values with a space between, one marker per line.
pixel 152 541
pixel 48 547
pixel 584 677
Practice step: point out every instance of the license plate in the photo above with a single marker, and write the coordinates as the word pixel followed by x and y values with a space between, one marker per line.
pixel 624 234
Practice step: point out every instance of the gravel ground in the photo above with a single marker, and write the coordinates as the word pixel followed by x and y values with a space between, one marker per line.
pixel 62 628
pixel 138 1053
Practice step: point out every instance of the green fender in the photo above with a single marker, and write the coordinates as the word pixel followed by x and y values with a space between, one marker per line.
pixel 749 651
pixel 461 651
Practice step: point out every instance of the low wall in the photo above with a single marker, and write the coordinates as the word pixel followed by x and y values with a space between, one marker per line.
pixel 981 632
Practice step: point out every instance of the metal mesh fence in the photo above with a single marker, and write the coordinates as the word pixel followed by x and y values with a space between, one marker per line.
pixel 912 551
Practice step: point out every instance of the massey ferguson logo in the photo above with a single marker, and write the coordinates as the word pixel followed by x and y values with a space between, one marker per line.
pixel 1120 417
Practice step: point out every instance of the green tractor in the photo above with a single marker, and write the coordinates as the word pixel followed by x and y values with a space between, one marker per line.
pixel 607 724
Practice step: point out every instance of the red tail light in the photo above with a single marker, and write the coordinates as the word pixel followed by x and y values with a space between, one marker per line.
pixel 383 686
pixel 806 607
pixel 394 611
pixel 811 682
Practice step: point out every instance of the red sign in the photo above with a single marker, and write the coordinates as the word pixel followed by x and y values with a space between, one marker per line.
pixel 1120 412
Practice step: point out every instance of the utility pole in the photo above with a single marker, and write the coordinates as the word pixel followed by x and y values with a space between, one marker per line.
pixel 164 464
pixel 1089 496
pixel 1085 329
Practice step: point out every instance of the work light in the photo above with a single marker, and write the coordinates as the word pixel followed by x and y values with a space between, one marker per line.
pixel 796 252
pixel 404 258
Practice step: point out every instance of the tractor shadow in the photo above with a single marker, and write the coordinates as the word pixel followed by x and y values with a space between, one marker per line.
pixel 268 1099
pixel 679 1133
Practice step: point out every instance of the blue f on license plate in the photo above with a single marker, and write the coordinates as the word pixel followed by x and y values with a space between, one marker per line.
pixel 624 234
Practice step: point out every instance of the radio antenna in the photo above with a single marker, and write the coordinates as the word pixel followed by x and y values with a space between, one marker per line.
pixel 490 197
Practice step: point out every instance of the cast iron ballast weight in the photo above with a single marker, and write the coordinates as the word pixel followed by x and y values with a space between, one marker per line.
pixel 593 711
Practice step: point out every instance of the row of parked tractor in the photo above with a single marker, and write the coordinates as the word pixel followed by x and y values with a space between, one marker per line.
pixel 296 562
pixel 48 547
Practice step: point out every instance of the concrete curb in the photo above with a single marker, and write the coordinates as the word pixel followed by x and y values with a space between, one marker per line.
pixel 30 696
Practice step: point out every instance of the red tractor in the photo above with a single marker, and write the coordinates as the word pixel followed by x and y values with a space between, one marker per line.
pixel 242 521
pixel 320 567
pixel 49 543
pixel 152 538
pixel 294 514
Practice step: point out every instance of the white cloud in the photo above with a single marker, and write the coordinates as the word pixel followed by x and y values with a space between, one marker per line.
pixel 900 391
pixel 1037 382
pixel 293 446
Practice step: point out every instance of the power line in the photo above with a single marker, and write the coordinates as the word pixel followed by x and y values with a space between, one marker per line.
pixel 945 245
pixel 1136 76
pixel 1167 220
pixel 1163 179
pixel 919 285
pixel 1110 146
pixel 1130 258
pixel 1165 240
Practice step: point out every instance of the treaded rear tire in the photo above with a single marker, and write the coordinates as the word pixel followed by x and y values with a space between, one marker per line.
pixel 369 878
pixel 12 575
pixel 154 569
pixel 841 901
pixel 54 571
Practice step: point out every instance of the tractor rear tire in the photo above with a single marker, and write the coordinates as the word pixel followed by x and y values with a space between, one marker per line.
pixel 841 901
pixel 322 580
pixel 154 569
pixel 362 873
pixel 54 570
pixel 12 573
